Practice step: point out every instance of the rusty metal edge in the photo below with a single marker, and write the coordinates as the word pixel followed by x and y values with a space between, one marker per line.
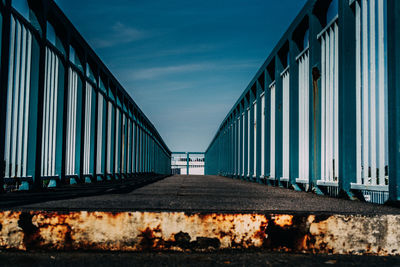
pixel 185 231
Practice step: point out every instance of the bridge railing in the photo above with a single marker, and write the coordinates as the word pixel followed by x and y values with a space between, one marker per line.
pixel 327 98
pixel 64 117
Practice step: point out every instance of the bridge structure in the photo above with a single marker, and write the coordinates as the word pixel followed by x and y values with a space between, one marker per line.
pixel 187 163
pixel 65 119
pixel 321 114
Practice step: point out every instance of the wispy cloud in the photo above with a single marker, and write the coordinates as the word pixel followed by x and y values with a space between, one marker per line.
pixel 154 72
pixel 119 33
pixel 150 73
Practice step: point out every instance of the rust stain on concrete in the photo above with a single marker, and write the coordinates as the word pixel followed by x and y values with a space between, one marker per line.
pixel 179 231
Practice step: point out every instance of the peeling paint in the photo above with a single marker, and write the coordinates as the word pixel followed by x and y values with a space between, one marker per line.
pixel 179 231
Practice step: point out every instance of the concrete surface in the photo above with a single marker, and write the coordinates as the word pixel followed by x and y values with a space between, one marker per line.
pixel 195 214
pixel 227 258
pixel 213 194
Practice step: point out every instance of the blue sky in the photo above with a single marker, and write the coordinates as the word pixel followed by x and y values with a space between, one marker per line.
pixel 185 63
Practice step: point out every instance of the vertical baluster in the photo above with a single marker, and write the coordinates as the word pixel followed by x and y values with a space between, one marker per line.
pixel 255 138
pixel 335 175
pixel 382 127
pixel 323 104
pixel 263 135
pixel 365 91
pixel 301 116
pixel 74 110
pixel 21 104
pixel 55 115
pixel 358 93
pixel 10 107
pixel 248 142
pixel 272 156
pixel 16 103
pixel 331 107
pixel 372 88
pixel 243 142
pixel 27 101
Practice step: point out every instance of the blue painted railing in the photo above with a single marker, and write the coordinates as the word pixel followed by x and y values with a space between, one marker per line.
pixel 321 114
pixel 64 118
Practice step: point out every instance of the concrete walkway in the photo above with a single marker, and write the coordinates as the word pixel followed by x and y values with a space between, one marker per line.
pixel 213 194
pixel 197 214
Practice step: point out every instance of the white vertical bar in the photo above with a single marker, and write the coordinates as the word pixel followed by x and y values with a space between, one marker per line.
pixel 331 103
pixel 128 154
pixel 16 102
pixel 123 143
pixel 133 147
pixel 358 93
pixel 109 138
pixel 51 114
pixel 307 116
pixel 238 146
pixel 55 115
pixel 74 110
pixel 323 104
pixel 287 88
pixel 235 147
pixel 231 147
pixel 85 130
pixel 382 89
pixel 88 106
pixel 68 130
pixel 50 89
pixel 10 89
pixel 386 133
pixel 243 142
pixel 248 142
pixel 336 108
pixel 262 135
pixel 71 119
pixel 21 104
pixel 301 117
pixel 27 101
pixel 68 162
pixel 89 128
pixel 98 137
pixel 285 129
pixel 272 156
pixel 304 140
pixel 326 106
pixel 116 140
pixel 372 65
pixel 365 91
pixel 305 125
pixel 255 138
pixel 122 140
pixel 99 131
pixel 47 114
pixel 55 89
pixel 139 150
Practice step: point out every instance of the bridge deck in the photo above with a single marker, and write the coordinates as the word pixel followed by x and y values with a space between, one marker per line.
pixel 197 213
pixel 213 194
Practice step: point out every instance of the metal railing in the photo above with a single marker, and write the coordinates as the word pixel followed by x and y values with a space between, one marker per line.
pixel 331 126
pixel 65 119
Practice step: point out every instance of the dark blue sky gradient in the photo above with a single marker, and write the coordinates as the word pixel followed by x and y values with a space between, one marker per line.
pixel 185 63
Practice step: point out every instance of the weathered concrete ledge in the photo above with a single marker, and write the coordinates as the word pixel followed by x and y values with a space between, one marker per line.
pixel 180 231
